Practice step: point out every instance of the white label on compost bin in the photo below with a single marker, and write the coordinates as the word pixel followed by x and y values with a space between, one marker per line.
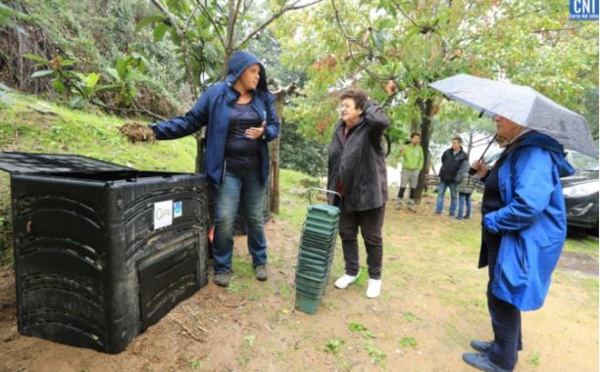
pixel 163 214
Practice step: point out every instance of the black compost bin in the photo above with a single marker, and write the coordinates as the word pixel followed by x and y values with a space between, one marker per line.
pixel 102 251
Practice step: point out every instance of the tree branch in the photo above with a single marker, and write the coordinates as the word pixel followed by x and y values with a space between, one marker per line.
pixel 405 15
pixel 284 9
pixel 207 14
pixel 557 29
pixel 102 104
pixel 352 40
pixel 181 35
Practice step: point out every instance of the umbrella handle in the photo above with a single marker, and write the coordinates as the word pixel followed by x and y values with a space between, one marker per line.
pixel 472 171
pixel 488 146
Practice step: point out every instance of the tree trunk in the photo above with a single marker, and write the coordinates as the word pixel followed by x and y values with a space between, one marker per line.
pixel 426 110
pixel 275 160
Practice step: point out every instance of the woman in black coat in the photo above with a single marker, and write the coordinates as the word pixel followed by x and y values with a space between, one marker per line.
pixel 357 171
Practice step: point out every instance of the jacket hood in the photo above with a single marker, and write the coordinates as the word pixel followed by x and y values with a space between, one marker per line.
pixel 239 62
pixel 548 143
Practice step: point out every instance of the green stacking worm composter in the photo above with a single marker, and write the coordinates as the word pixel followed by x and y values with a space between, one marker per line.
pixel 315 256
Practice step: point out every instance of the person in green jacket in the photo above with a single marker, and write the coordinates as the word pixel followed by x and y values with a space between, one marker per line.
pixel 412 163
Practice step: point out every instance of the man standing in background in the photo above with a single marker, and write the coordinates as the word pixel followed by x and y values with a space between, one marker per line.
pixel 452 160
pixel 412 163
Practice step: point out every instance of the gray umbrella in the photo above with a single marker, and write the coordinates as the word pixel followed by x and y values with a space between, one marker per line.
pixel 524 106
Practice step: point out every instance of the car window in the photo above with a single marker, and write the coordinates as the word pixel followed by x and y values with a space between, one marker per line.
pixel 581 162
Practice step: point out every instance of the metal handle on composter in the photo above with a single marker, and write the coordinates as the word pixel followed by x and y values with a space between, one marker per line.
pixel 321 190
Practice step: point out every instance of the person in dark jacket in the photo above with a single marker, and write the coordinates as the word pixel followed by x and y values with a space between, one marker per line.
pixel 524 230
pixel 357 171
pixel 452 161
pixel 240 119
pixel 465 188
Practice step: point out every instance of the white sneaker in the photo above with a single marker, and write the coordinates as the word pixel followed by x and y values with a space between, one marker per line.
pixel 344 281
pixel 374 288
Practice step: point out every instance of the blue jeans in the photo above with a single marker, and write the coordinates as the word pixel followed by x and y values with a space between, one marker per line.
pixel 440 197
pixel 240 189
pixel 464 199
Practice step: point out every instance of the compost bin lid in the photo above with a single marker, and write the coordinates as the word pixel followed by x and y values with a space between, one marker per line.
pixel 22 162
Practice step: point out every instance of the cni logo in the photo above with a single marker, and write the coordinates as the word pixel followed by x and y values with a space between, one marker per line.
pixel 583 10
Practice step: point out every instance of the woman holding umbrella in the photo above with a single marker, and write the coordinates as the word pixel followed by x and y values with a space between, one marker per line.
pixel 524 230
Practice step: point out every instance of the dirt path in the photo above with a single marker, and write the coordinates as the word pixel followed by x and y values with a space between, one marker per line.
pixel 432 305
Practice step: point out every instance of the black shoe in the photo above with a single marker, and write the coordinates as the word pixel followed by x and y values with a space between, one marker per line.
pixel 222 279
pixel 260 272
pixel 482 362
pixel 482 346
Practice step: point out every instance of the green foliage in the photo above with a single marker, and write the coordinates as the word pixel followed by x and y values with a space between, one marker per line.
pixel 378 357
pixel 125 75
pixel 415 43
pixel 195 34
pixel 534 360
pixel 360 328
pixel 408 342
pixel 83 88
pixel 334 345
pixel 356 327
pixel 300 153
pixel 195 364
pixel 8 16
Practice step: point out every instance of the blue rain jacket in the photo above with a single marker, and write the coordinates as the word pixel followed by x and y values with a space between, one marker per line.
pixel 213 110
pixel 532 222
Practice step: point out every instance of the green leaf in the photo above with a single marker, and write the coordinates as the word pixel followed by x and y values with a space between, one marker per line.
pixel 59 86
pixel 41 73
pixel 175 38
pixel 159 31
pixel 121 68
pixel 408 342
pixel 149 20
pixel 78 102
pixel 378 40
pixel 67 62
pixel 108 87
pixel 91 80
pixel 113 73
pixel 356 327
pixel 35 57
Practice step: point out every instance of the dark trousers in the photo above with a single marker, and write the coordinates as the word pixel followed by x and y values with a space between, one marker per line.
pixel 371 224
pixel 401 193
pixel 506 319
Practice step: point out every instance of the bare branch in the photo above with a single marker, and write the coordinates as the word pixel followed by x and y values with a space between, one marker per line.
pixel 405 15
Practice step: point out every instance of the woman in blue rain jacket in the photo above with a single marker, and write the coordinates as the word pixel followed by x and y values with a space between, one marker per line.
pixel 532 222
pixel 213 110
pixel 524 230
pixel 240 120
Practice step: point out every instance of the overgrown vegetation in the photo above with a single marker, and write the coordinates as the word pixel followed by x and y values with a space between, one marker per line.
pixel 311 160
pixel 95 36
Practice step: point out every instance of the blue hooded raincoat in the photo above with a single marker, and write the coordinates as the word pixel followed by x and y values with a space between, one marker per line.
pixel 213 110
pixel 532 222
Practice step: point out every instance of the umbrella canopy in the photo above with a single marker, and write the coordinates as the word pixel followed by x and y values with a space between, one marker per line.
pixel 524 106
